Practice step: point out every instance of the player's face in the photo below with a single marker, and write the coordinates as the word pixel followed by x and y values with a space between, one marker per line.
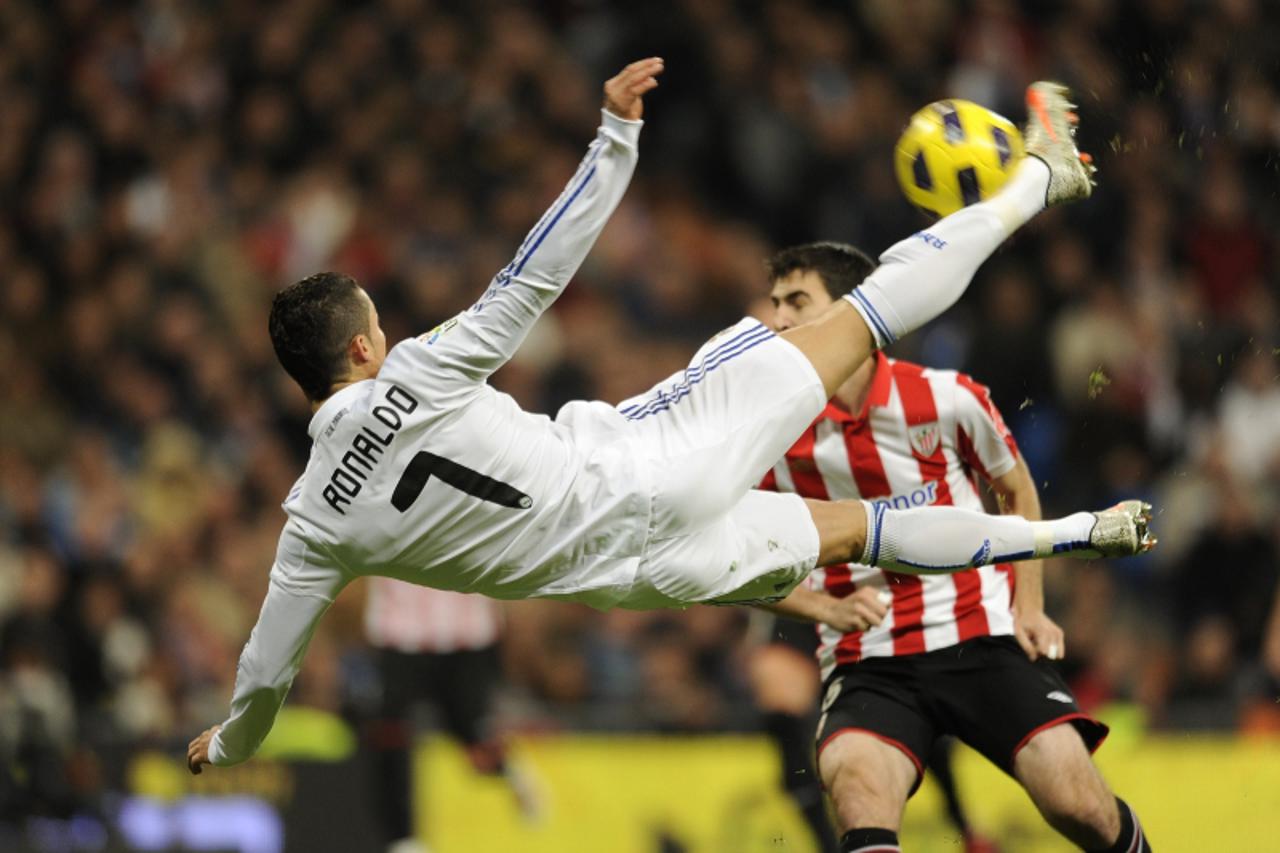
pixel 797 299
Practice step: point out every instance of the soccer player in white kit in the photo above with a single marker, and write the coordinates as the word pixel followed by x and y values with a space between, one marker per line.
pixel 421 471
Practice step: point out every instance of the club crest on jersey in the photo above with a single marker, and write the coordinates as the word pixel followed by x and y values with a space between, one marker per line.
pixel 925 438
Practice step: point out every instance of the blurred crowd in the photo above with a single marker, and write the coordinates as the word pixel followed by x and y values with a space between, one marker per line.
pixel 167 165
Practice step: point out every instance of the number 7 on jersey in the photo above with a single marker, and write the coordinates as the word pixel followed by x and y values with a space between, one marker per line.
pixel 424 464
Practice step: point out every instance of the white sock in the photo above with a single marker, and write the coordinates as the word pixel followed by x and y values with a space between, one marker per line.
pixel 948 539
pixel 923 275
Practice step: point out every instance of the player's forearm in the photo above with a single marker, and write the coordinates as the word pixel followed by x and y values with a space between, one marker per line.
pixel 253 711
pixel 1028 592
pixel 1017 493
pixel 271 660
pixel 803 604
pixel 1018 496
pixel 557 245
pixel 552 252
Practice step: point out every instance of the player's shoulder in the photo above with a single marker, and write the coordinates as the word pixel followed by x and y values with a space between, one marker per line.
pixel 902 367
pixel 405 357
pixel 412 364
pixel 941 381
pixel 304 554
pixel 432 358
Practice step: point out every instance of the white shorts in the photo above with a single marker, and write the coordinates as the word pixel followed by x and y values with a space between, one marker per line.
pixel 758 552
pixel 707 436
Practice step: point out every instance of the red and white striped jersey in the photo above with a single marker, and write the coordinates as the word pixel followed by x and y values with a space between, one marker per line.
pixel 923 438
pixel 414 619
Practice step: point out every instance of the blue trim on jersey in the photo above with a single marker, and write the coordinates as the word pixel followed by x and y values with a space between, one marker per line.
pixel 665 401
pixel 552 224
pixel 662 396
pixel 504 276
pixel 874 316
pixel 693 376
pixel 587 163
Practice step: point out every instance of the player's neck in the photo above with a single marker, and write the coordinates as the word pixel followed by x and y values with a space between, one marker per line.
pixel 359 373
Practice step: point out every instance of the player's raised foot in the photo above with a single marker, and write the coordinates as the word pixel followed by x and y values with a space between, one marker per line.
pixel 1050 135
pixel 1121 531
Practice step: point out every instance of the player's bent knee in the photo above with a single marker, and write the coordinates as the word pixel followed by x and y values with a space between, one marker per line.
pixel 868 780
pixel 1086 814
pixel 1090 824
pixel 1067 788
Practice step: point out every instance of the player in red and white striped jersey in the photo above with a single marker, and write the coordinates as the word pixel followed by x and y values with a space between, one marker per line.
pixel 943 657
pixel 894 451
pixel 412 619
pixel 439 648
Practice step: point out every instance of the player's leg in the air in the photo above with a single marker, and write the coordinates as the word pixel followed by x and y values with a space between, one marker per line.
pixel 923 275
pixel 748 394
pixel 940 539
pixel 716 429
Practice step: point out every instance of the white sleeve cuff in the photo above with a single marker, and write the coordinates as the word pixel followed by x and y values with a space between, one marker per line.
pixel 625 130
pixel 216 755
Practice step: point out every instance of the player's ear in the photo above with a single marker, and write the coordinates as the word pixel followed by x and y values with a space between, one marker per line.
pixel 360 350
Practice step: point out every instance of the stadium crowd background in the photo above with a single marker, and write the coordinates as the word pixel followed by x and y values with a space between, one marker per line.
pixel 166 166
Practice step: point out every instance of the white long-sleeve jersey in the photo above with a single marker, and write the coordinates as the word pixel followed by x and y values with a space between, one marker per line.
pixel 428 474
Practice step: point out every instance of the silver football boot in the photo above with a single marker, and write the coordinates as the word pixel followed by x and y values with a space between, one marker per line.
pixel 1051 135
pixel 1120 531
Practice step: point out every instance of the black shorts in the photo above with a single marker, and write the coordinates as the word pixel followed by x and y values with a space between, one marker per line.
pixel 460 685
pixel 984 691
pixel 801 636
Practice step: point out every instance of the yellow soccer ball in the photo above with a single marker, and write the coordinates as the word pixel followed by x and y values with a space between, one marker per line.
pixel 954 153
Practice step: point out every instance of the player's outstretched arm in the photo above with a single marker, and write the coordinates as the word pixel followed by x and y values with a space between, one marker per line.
pixel 270 661
pixel 862 609
pixel 487 334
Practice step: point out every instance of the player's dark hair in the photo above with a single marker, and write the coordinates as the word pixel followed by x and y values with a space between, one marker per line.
pixel 312 322
pixel 840 266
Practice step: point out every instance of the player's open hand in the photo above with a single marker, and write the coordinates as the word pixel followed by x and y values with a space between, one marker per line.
pixel 198 750
pixel 623 94
pixel 1038 634
pixel 864 609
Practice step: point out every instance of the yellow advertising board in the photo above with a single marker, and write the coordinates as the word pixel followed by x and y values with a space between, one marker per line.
pixel 616 794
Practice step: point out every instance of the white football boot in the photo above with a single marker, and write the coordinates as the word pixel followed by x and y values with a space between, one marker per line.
pixel 1120 531
pixel 1050 135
